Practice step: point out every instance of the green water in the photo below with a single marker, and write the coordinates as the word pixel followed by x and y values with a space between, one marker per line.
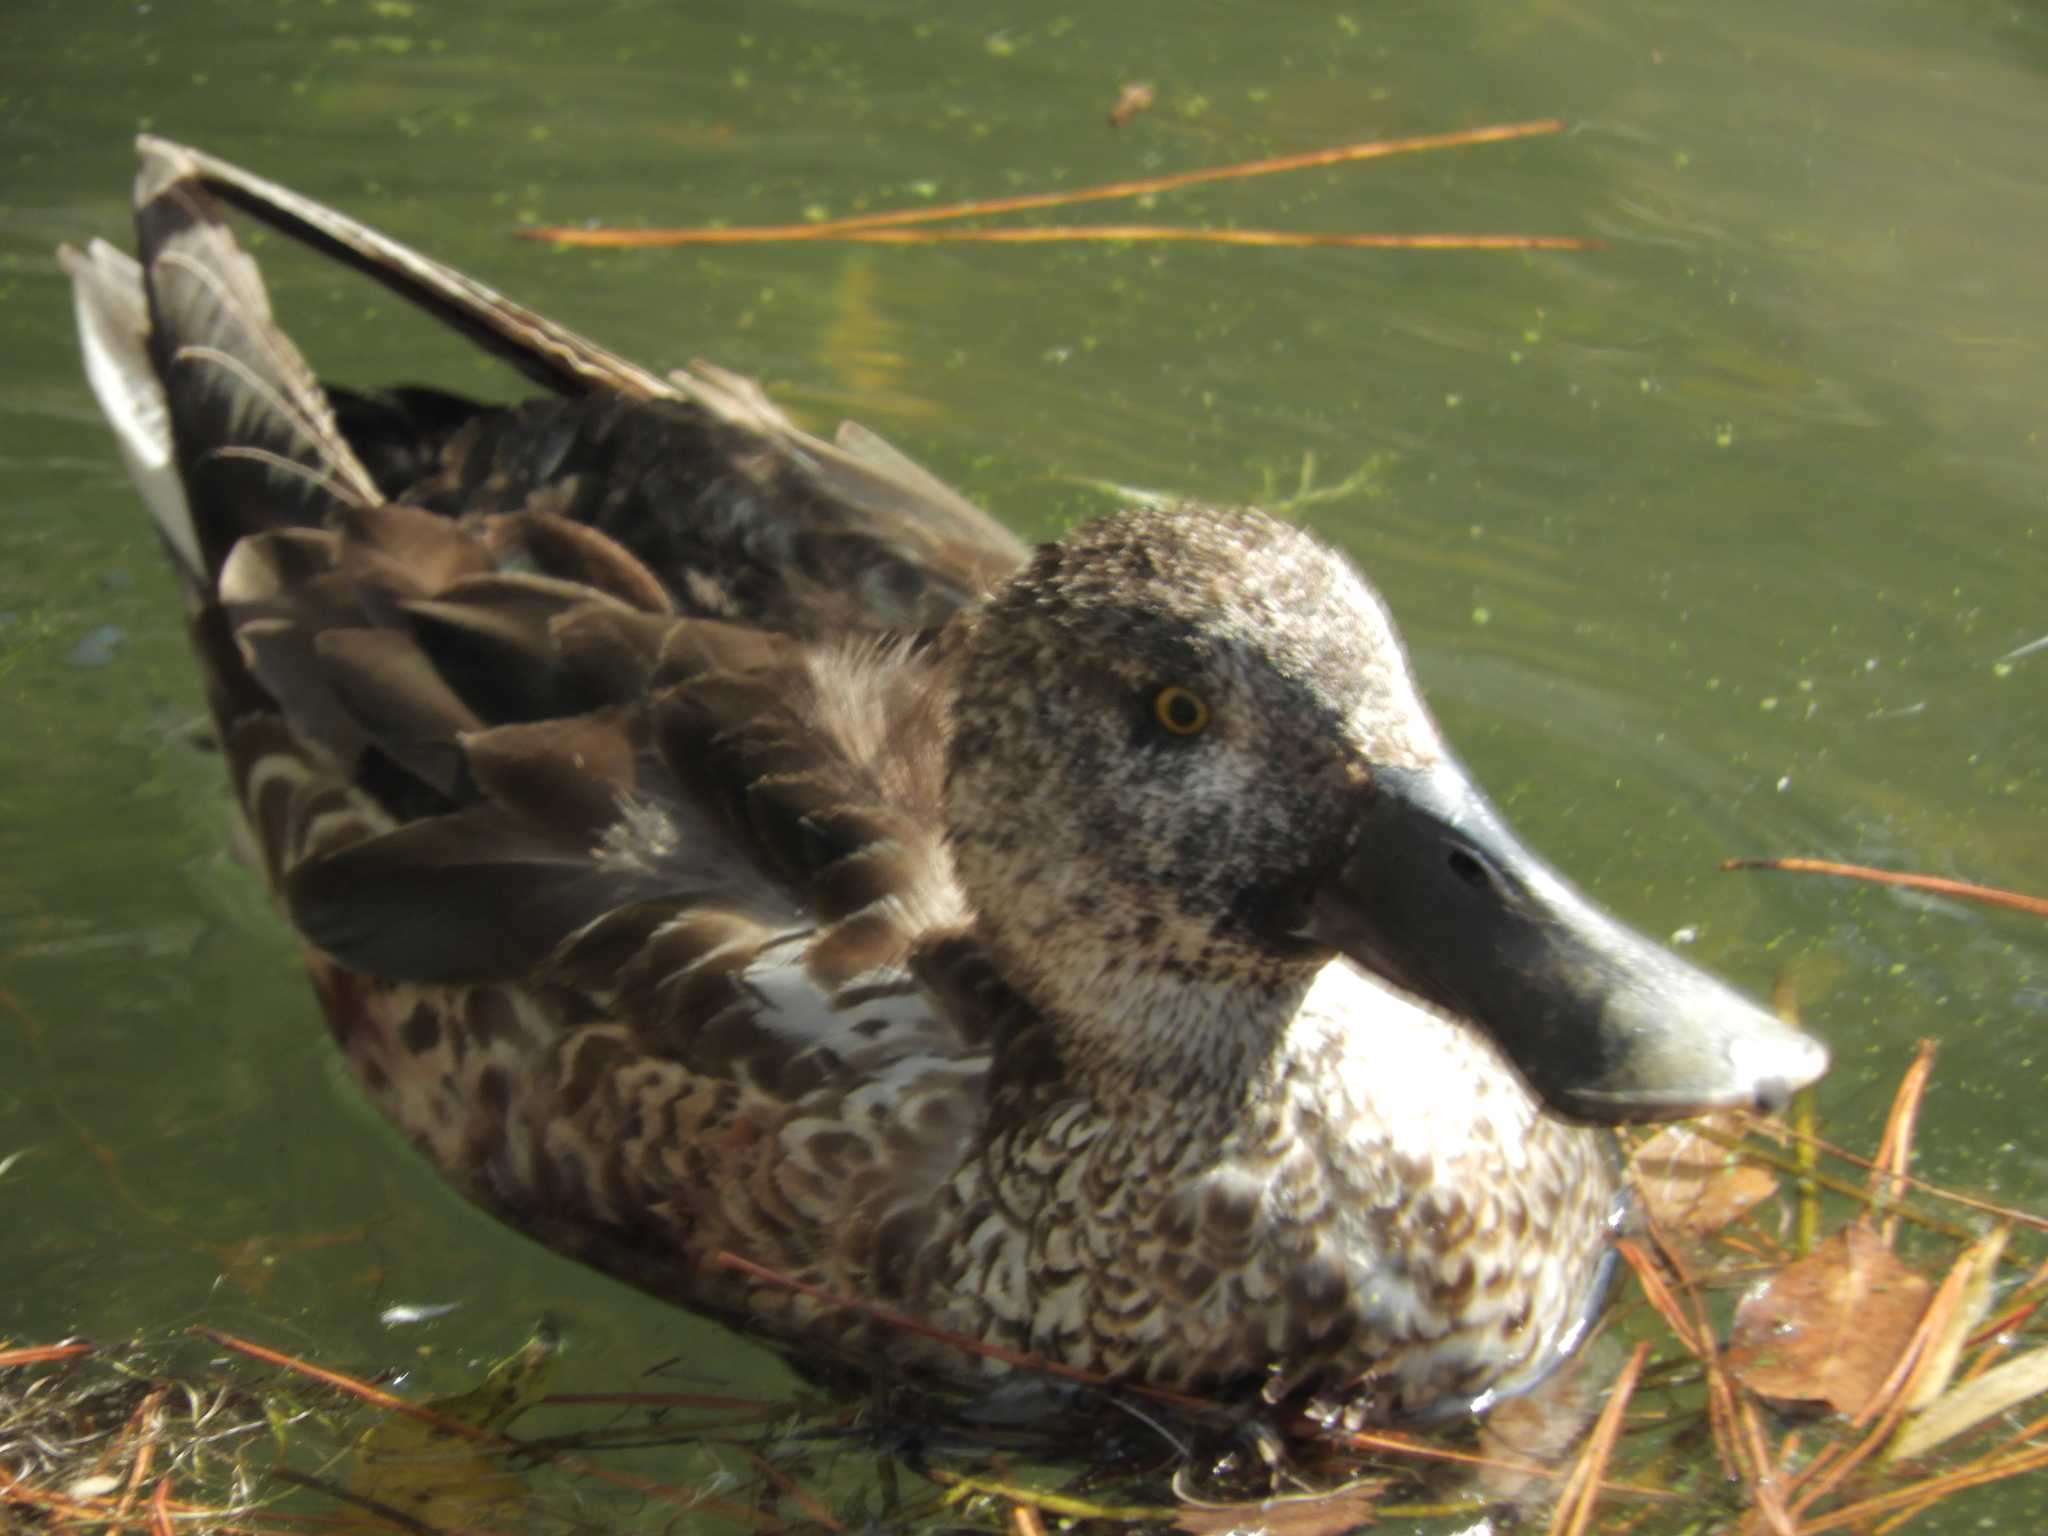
pixel 1709 542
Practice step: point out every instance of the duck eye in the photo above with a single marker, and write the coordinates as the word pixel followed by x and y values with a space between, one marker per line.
pixel 1179 711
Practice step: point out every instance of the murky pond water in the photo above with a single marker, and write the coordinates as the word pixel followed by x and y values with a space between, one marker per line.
pixel 1730 537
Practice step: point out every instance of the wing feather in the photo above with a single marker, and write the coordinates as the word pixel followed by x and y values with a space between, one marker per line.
pixel 595 747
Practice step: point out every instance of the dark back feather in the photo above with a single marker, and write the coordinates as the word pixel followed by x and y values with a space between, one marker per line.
pixel 590 663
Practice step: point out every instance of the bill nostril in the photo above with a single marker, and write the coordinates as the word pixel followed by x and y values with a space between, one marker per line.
pixel 1772 1095
pixel 1470 869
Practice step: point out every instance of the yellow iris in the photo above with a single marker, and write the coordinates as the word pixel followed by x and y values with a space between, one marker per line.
pixel 1179 711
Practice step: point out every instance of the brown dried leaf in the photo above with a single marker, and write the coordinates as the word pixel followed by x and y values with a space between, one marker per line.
pixel 1829 1327
pixel 1323 1514
pixel 1693 1187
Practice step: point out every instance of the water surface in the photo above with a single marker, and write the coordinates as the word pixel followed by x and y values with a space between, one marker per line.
pixel 1729 538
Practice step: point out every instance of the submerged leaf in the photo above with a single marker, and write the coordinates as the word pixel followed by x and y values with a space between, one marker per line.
pixel 434 1473
pixel 1829 1327
pixel 1693 1187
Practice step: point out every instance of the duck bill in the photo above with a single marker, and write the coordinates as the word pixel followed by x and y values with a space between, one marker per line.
pixel 1438 896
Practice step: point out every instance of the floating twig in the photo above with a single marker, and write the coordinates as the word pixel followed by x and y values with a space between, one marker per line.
pixel 1042 234
pixel 1937 885
pixel 1895 1146
pixel 342 1382
pixel 1919 1495
pixel 1583 1488
pixel 894 226
pixel 1791 1166
pixel 42 1354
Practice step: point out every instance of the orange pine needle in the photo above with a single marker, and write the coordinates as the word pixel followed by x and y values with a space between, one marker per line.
pixel 1658 1294
pixel 1895 1146
pixel 1934 884
pixel 1583 1488
pixel 810 1502
pixel 41 1354
pixel 1039 234
pixel 2024 1300
pixel 1401 1445
pixel 344 1383
pixel 2013 1214
pixel 896 218
pixel 1360 1439
pixel 1696 1334
pixel 1273 238
pixel 1760 1479
pixel 2025 1438
pixel 1724 1419
pixel 144 1421
pixel 684 1497
pixel 1974 1474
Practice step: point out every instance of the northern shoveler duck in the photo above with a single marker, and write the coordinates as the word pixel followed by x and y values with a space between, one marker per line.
pixel 710 839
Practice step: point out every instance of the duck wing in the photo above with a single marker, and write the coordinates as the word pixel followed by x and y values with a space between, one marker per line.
pixel 616 851
pixel 849 502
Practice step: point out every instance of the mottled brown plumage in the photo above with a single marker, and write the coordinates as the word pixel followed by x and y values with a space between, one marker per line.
pixel 708 838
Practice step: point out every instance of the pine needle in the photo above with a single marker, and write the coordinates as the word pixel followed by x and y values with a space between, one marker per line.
pixel 895 226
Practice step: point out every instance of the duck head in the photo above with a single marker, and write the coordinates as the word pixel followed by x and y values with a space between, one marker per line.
pixel 1189 767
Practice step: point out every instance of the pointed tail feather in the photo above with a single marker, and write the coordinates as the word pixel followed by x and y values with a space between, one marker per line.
pixel 252 433
pixel 891 496
pixel 552 355
pixel 234 447
pixel 113 333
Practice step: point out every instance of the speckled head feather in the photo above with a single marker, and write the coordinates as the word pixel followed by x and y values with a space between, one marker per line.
pixel 708 839
pixel 1135 872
